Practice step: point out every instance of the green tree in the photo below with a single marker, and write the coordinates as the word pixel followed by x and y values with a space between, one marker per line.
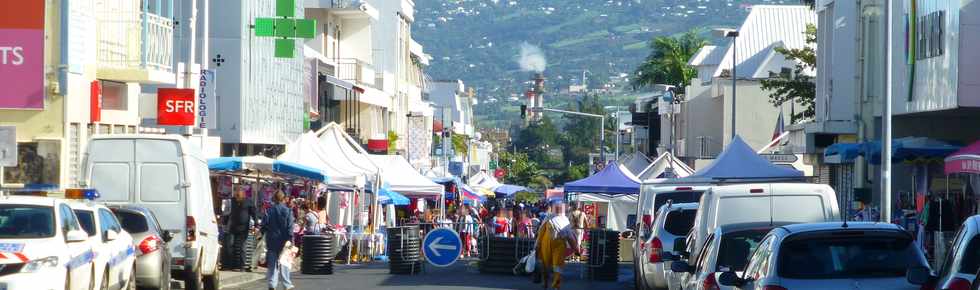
pixel 459 143
pixel 539 183
pixel 392 142
pixel 520 169
pixel 796 87
pixel 667 62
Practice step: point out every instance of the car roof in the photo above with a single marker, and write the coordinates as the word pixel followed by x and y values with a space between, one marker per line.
pixel 825 226
pixel 28 200
pixel 83 204
pixel 737 227
pixel 131 208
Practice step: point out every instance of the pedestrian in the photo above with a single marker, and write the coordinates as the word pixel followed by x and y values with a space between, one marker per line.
pixel 579 223
pixel 311 222
pixel 239 223
pixel 277 228
pixel 321 212
pixel 501 224
pixel 468 229
pixel 525 228
pixel 555 242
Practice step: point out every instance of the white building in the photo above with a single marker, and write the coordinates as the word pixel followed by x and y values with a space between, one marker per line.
pixel 88 52
pixel 705 125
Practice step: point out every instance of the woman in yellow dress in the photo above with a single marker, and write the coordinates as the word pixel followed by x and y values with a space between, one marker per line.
pixel 555 242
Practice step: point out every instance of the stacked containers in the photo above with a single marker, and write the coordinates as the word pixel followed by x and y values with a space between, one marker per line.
pixel 603 255
pixel 317 255
pixel 404 250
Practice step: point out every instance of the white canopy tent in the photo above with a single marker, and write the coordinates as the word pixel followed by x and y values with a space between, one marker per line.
pixel 402 178
pixel 482 180
pixel 334 139
pixel 617 208
pixel 659 166
pixel 307 150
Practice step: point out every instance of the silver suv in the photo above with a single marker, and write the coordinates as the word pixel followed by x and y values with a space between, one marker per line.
pixel 666 239
pixel 727 249
pixel 959 268
pixel 855 255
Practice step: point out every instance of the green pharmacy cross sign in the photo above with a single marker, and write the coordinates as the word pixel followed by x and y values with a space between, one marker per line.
pixel 285 28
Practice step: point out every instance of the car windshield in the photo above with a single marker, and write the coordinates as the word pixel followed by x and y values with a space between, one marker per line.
pixel 132 222
pixel 846 257
pixel 677 196
pixel 87 219
pixel 971 257
pixel 733 254
pixel 26 221
pixel 679 222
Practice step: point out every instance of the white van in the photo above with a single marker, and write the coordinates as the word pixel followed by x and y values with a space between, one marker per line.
pixel 168 175
pixel 762 202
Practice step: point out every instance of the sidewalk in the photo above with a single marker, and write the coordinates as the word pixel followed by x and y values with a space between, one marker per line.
pixel 231 279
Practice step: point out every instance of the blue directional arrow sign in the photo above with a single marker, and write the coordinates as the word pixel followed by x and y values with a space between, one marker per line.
pixel 442 247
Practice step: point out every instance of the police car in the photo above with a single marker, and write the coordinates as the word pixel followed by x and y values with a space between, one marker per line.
pixel 42 245
pixel 114 254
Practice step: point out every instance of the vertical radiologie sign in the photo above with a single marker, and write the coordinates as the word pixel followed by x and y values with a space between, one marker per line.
pixel 22 54
pixel 207 102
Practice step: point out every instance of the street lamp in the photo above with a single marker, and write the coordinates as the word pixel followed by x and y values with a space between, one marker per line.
pixel 733 33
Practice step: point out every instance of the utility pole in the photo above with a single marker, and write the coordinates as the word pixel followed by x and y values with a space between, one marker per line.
pixel 886 151
pixel 189 60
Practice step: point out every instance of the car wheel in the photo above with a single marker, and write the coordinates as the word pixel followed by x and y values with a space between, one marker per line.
pixel 193 280
pixel 105 280
pixel 213 281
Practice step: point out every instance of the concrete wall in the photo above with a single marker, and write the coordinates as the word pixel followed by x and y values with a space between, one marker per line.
pixel 755 116
pixel 837 67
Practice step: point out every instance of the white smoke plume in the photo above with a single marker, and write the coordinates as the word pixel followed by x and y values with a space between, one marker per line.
pixel 532 58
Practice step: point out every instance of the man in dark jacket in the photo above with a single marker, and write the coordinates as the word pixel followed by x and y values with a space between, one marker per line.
pixel 278 229
pixel 239 224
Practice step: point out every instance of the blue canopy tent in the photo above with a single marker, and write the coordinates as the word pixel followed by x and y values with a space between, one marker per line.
pixel 507 190
pixel 739 162
pixel 388 196
pixel 265 164
pixel 614 179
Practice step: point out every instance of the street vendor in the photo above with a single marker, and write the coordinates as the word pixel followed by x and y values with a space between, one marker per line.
pixel 555 242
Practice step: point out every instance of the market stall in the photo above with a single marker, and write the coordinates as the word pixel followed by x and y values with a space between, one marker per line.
pixel 665 166
pixel 635 163
pixel 739 163
pixel 614 190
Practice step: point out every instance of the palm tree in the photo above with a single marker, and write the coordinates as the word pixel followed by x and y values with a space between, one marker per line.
pixel 667 62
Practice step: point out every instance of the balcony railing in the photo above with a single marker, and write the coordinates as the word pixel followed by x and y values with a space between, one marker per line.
pixel 135 40
pixel 334 4
pixel 355 70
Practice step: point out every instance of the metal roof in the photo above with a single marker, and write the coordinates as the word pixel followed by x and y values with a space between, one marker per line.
pixel 707 55
pixel 767 27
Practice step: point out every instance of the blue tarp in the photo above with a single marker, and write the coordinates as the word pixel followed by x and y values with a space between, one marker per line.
pixel 388 196
pixel 739 161
pixel 507 190
pixel 903 149
pixel 263 163
pixel 611 180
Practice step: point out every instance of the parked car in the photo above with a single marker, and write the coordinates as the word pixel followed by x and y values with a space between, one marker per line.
pixel 761 202
pixel 43 245
pixel 672 223
pixel 727 249
pixel 152 257
pixel 959 269
pixel 854 255
pixel 114 255
pixel 168 175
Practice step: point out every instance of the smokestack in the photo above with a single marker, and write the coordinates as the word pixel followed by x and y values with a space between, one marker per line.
pixel 535 95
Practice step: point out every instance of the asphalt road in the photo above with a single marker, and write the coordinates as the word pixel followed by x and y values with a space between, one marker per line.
pixel 463 275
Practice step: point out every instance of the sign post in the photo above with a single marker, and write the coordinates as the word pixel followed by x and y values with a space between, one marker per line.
pixel 442 247
pixel 8 150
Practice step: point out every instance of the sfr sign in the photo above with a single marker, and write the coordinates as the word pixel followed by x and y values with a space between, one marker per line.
pixel 175 107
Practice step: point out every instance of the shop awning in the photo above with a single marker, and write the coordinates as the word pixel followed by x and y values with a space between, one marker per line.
pixel 966 160
pixel 911 149
pixel 843 152
pixel 614 179
pixel 268 165
pixel 387 196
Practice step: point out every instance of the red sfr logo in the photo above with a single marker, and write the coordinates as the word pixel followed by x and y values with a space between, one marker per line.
pixel 175 107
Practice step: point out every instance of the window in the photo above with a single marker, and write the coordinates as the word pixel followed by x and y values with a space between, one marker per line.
pixel 132 222
pixel 26 221
pixel 87 219
pixel 855 256
pixel 114 96
pixel 759 259
pixel 676 197
pixel 68 220
pixel 680 222
pixel 736 248
pixel 971 257
pixel 37 163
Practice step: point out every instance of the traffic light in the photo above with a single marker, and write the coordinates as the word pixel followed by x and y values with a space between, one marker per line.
pixel 523 112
